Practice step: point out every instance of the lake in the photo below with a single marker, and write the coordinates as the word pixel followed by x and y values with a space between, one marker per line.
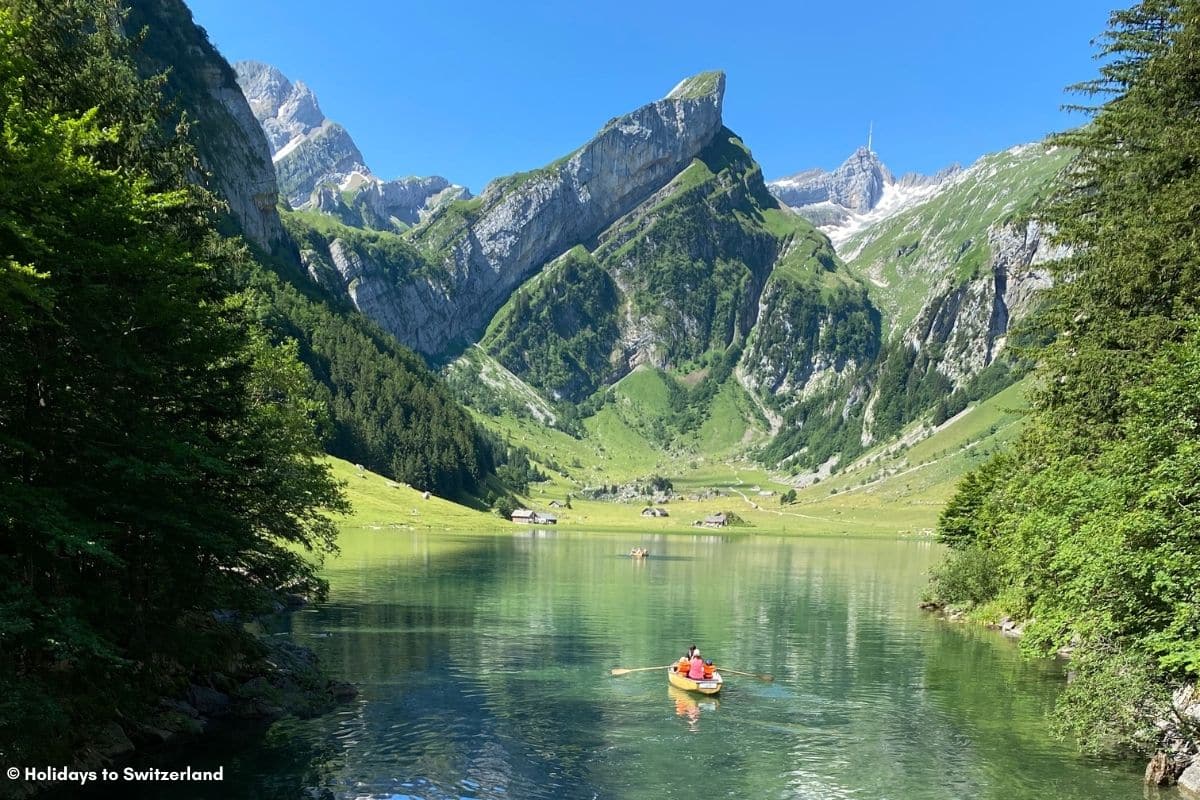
pixel 483 664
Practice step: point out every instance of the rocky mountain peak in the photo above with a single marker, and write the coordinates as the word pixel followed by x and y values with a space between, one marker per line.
pixel 265 87
pixel 524 221
pixel 857 185
pixel 317 161
pixel 861 192
pixel 918 180
pixel 704 86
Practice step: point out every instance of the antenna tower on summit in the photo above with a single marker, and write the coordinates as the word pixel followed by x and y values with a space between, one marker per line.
pixel 870 135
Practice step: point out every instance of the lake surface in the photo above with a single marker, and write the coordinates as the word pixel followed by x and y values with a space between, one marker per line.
pixel 483 664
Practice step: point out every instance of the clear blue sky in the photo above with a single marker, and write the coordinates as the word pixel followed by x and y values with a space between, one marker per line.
pixel 473 90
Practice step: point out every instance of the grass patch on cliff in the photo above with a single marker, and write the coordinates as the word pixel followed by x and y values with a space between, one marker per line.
pixel 698 86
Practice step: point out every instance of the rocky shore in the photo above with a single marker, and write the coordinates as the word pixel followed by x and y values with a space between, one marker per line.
pixel 1176 761
pixel 281 680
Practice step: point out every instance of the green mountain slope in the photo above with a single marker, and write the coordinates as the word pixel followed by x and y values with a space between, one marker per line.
pixel 558 330
pixel 672 303
pixel 950 277
pixel 949 239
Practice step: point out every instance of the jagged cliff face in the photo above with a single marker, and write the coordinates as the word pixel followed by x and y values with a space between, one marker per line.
pixel 857 185
pixel 225 131
pixel 489 245
pixel 382 205
pixel 692 260
pixel 681 275
pixel 319 165
pixel 655 243
pixel 816 326
pixel 952 262
pixel 960 267
pixel 969 320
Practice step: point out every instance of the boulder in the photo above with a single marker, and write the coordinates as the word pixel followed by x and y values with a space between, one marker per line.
pixel 1010 628
pixel 208 701
pixel 1189 781
pixel 112 741
pixel 1186 700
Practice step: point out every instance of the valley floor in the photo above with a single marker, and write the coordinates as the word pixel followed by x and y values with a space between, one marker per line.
pixel 893 490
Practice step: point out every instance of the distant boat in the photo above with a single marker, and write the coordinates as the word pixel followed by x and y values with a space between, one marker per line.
pixel 639 552
pixel 682 681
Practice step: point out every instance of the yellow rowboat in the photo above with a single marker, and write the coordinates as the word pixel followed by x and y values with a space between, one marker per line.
pixel 688 685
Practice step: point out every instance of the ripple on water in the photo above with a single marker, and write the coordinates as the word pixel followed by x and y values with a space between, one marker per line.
pixel 483 674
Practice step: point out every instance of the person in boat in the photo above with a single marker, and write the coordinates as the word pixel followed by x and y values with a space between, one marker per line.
pixel 685 661
pixel 708 670
pixel 696 670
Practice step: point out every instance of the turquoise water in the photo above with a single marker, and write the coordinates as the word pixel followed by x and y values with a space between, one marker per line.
pixel 483 664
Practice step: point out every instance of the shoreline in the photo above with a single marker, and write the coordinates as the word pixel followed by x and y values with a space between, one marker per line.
pixel 1168 766
pixel 284 680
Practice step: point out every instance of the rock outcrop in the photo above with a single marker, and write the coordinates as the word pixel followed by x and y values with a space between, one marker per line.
pixel 969 321
pixel 1189 781
pixel 318 163
pixel 343 268
pixel 225 131
pixel 816 325
pixel 857 185
pixel 491 244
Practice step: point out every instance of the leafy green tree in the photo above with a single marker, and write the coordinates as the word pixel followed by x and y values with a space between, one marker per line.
pixel 1089 525
pixel 157 455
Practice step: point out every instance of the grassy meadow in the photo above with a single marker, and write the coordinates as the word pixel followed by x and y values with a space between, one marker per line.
pixel 892 490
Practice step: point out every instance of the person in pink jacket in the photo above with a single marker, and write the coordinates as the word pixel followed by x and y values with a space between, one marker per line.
pixel 696 671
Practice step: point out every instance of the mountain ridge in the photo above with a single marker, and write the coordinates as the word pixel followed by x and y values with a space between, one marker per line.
pixel 859 192
pixel 658 244
pixel 479 250
pixel 320 166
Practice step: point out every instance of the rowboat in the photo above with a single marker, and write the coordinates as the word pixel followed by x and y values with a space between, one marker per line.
pixel 688 685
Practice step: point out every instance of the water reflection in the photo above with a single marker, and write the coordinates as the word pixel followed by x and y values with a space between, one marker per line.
pixel 483 668
pixel 689 706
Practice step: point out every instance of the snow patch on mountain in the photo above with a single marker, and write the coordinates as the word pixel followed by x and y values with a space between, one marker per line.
pixel 860 193
pixel 282 153
pixel 896 197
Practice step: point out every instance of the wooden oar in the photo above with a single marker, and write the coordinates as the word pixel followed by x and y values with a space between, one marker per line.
pixel 623 671
pixel 763 677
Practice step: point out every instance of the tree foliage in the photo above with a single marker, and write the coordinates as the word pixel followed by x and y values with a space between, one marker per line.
pixel 386 410
pixel 1092 519
pixel 559 331
pixel 157 455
